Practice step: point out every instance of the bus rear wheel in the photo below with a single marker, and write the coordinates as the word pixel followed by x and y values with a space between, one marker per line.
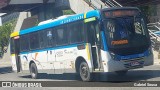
pixel 84 72
pixel 33 70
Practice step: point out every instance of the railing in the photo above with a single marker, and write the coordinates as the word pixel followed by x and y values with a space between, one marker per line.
pixel 99 4
pixel 112 3
pixel 96 4
pixel 9 17
pixel 155 38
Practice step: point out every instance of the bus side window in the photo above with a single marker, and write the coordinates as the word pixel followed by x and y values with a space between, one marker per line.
pixel 93 32
pixel 61 35
pixel 34 40
pixel 24 43
pixel 50 37
pixel 42 38
pixel 76 32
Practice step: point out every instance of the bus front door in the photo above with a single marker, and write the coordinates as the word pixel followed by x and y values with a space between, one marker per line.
pixel 94 40
pixel 17 52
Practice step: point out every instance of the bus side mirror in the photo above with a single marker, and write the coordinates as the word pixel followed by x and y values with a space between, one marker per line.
pixel 145 18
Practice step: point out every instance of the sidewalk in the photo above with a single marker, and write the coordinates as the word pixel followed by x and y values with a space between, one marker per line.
pixel 156 60
pixel 5 61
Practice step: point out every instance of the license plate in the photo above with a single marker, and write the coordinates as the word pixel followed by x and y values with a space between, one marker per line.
pixel 134 63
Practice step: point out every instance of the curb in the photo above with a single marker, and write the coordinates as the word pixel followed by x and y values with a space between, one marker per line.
pixel 156 63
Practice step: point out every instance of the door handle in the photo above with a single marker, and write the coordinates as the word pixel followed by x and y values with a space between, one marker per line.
pixel 94 46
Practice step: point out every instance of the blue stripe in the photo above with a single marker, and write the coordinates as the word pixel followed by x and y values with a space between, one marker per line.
pixel 55 48
pixel 119 57
pixel 76 17
pixel 93 14
pixel 104 41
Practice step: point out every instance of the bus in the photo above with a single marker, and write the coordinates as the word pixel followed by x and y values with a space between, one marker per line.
pixel 105 40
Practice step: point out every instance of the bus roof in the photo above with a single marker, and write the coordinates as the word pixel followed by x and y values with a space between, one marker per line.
pixel 52 20
pixel 94 13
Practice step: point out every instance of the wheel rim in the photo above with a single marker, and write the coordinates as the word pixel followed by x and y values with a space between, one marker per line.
pixel 84 71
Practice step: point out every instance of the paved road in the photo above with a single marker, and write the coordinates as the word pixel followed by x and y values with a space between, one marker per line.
pixel 149 73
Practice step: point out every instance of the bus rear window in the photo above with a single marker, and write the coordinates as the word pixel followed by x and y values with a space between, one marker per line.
pixel 12 46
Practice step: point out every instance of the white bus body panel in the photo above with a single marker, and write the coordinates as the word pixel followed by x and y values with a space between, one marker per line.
pixel 61 60
pixel 111 65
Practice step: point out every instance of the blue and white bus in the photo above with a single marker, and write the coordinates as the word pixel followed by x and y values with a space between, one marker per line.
pixel 106 40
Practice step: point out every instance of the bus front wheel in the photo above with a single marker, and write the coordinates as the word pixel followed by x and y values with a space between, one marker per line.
pixel 84 72
pixel 33 71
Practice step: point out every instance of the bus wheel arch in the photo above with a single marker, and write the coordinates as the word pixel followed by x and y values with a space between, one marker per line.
pixel 31 63
pixel 33 69
pixel 77 63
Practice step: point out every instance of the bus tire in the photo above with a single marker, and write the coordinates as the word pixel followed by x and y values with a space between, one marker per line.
pixel 84 71
pixel 33 70
pixel 124 72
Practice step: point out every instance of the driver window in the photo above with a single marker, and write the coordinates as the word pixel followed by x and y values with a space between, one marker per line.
pixel 138 26
pixel 111 28
pixel 93 32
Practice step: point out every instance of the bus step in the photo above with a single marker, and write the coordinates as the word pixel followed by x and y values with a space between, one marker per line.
pixel 98 70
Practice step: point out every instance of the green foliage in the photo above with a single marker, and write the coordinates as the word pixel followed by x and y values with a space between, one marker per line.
pixel 150 10
pixel 68 12
pixel 5 31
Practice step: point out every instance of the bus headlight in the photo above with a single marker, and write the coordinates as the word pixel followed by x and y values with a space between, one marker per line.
pixel 113 56
pixel 150 50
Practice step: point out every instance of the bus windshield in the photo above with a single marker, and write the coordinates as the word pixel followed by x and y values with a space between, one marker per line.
pixel 126 35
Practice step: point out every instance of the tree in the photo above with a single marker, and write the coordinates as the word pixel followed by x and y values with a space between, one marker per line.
pixel 68 12
pixel 148 11
pixel 5 31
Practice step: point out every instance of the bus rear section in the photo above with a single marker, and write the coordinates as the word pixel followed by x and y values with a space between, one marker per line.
pixel 127 40
pixel 15 51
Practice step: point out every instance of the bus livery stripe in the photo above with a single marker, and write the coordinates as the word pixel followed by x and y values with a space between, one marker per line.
pixel 88 52
pixel 14 34
pixel 12 54
pixel 89 19
pixel 85 15
pixel 54 48
pixel 104 41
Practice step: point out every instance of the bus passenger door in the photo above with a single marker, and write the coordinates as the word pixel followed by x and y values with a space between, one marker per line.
pixel 17 52
pixel 94 39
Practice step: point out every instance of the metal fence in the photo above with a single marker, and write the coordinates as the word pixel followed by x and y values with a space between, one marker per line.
pixel 9 17
pixel 153 28
pixel 99 4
